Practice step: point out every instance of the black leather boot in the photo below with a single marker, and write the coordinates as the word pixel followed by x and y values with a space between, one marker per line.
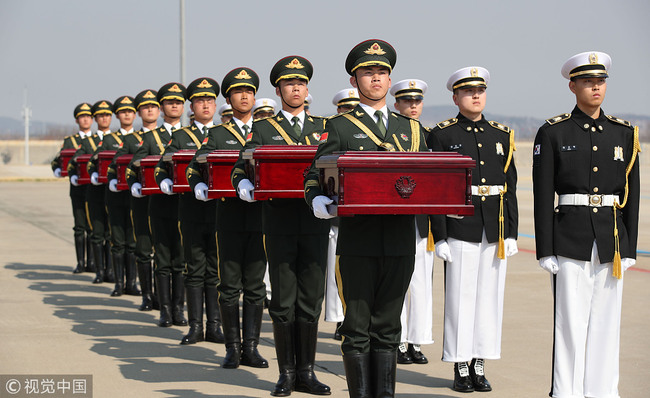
pixel 357 374
pixel 252 324
pixel 462 380
pixel 178 300
pixel 98 253
pixel 477 374
pixel 109 276
pixel 131 287
pixel 144 274
pixel 164 298
pixel 213 331
pixel 155 304
pixel 306 381
pixel 383 366
pixel 230 322
pixel 283 334
pixel 118 271
pixel 80 251
pixel 90 258
pixel 195 315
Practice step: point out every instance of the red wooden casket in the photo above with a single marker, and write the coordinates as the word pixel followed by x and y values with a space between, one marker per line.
pixel 82 169
pixel 398 182
pixel 278 171
pixel 122 163
pixel 177 163
pixel 216 167
pixel 146 171
pixel 65 155
pixel 104 159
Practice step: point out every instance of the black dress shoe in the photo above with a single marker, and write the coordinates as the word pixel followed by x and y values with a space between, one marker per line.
pixel 477 374
pixel 337 334
pixel 462 380
pixel 404 357
pixel 417 355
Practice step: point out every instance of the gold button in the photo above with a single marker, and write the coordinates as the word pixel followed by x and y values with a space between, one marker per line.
pixel 483 198
pixel 223 199
pixel 469 128
pixel 595 189
pixel 475 130
pixel 482 179
pixel 480 145
pixel 595 148
pixel 586 126
pixel 482 162
pixel 593 129
pixel 595 210
pixel 595 169
pixel 361 148
pixel 600 128
pixel 556 210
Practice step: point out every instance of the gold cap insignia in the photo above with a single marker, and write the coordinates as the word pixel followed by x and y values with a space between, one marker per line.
pixel 265 102
pixel 473 72
pixel 103 104
pixel 204 84
pixel 175 89
pixel 375 49
pixel 84 107
pixel 243 75
pixel 126 100
pixel 411 84
pixel 148 94
pixel 593 58
pixel 294 64
pixel 351 93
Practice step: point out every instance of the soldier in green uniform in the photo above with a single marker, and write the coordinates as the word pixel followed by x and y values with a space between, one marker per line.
pixel 147 106
pixel 163 210
pixel 197 220
pixel 95 209
pixel 117 203
pixel 84 119
pixel 376 253
pixel 295 242
pixel 242 260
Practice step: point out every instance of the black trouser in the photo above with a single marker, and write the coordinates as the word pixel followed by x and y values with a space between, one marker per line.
pixel 200 253
pixel 297 265
pixel 119 220
pixel 373 294
pixel 78 199
pixel 242 264
pixel 97 216
pixel 140 220
pixel 163 219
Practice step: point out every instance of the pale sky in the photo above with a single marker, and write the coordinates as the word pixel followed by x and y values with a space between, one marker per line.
pixel 69 51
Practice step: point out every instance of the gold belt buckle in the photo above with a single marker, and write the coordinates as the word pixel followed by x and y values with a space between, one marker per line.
pixel 483 190
pixel 596 200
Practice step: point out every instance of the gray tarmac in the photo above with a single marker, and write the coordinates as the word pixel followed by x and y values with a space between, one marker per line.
pixel 55 322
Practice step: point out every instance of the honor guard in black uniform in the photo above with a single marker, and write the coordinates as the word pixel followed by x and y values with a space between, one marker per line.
pixel 83 249
pixel 163 211
pixel 475 248
pixel 118 203
pixel 296 242
pixel 197 220
pixel 589 159
pixel 95 208
pixel 146 104
pixel 375 252
pixel 239 230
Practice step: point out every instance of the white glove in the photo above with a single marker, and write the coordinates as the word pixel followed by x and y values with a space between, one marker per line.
pixel 245 189
pixel 74 180
pixel 443 252
pixel 549 264
pixel 167 186
pixel 136 190
pixel 112 185
pixel 94 178
pixel 319 204
pixel 627 263
pixel 201 191
pixel 510 246
pixel 57 172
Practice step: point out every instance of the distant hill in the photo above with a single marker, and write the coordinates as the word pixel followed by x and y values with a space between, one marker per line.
pixel 11 128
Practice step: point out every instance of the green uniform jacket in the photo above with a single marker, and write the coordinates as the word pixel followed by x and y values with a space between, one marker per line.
pixel 130 145
pixel 369 235
pixel 88 147
pixel 283 216
pixel 69 142
pixel 153 143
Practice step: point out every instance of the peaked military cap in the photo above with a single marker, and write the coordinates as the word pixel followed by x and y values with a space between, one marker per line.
pixel 146 97
pixel 123 103
pixel 587 64
pixel 203 87
pixel 264 105
pixel 225 109
pixel 347 97
pixel 239 77
pixel 409 89
pixel 102 106
pixel 171 91
pixel 471 76
pixel 291 67
pixel 308 101
pixel 372 52
pixel 83 109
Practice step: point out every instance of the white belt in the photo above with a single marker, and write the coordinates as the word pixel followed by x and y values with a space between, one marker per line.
pixel 486 190
pixel 583 199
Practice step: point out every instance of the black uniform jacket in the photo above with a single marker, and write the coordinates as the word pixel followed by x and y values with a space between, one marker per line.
pixel 283 216
pixel 131 142
pixel 233 214
pixel 488 143
pixel 369 235
pixel 575 154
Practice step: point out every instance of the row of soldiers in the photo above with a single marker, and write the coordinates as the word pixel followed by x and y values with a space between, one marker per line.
pixel 380 265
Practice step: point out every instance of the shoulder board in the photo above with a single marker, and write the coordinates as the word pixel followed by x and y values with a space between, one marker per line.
pixel 316 117
pixel 339 114
pixel 264 118
pixel 499 126
pixel 395 114
pixel 619 121
pixel 558 118
pixel 447 123
pixel 427 129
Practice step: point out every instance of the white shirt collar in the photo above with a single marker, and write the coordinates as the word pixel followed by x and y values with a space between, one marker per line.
pixel 200 125
pixel 301 117
pixel 241 124
pixel 169 126
pixel 101 134
pixel 125 132
pixel 85 135
pixel 371 111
